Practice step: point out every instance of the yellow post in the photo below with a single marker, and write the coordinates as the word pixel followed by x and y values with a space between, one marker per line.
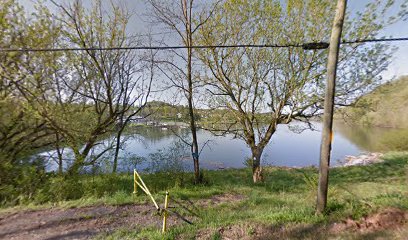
pixel 166 202
pixel 134 182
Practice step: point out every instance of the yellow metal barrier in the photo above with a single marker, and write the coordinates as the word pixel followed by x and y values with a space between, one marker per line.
pixel 166 203
pixel 138 182
pixel 142 186
pixel 134 182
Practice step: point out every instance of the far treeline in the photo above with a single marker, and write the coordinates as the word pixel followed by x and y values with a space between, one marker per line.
pixel 69 101
pixel 156 112
pixel 386 106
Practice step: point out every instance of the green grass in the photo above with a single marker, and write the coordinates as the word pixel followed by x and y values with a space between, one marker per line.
pixel 286 198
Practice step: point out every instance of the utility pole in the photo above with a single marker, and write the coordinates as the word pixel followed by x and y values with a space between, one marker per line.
pixel 327 133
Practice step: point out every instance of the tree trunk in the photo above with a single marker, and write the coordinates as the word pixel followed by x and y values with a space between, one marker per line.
pixel 78 163
pixel 194 147
pixel 59 154
pixel 80 157
pixel 115 158
pixel 117 148
pixel 60 166
pixel 256 165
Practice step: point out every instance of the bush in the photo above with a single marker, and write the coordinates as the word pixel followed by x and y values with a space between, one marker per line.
pixel 106 184
pixel 63 188
pixel 19 183
pixel 170 162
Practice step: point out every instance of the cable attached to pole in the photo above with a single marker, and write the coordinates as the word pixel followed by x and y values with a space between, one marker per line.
pixel 306 46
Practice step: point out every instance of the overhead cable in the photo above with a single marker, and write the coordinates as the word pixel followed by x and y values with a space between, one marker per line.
pixel 306 46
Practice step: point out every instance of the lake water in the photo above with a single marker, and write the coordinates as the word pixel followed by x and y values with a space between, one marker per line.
pixel 286 148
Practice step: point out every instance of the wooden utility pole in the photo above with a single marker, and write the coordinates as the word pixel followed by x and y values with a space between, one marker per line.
pixel 327 133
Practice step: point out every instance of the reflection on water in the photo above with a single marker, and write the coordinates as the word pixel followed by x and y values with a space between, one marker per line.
pixel 287 148
pixel 375 139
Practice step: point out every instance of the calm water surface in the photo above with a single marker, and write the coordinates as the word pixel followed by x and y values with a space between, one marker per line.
pixel 287 147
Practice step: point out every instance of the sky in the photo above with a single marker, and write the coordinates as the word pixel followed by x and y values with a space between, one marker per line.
pixel 398 67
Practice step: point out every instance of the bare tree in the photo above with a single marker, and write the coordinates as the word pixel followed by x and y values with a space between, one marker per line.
pixel 102 88
pixel 136 103
pixel 178 16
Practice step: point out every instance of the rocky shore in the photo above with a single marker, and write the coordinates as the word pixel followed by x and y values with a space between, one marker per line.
pixel 363 159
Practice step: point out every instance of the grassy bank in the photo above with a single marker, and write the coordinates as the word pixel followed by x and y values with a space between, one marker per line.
pixel 286 198
pixel 386 106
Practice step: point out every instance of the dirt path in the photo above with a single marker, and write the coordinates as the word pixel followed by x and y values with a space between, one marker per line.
pixel 86 222
pixel 77 223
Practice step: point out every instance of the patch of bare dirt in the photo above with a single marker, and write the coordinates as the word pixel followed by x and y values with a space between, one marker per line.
pixel 387 219
pixel 86 222
pixel 242 231
pixel 252 231
pixel 77 223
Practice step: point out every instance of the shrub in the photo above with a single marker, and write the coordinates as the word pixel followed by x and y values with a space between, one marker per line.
pixel 63 188
pixel 20 182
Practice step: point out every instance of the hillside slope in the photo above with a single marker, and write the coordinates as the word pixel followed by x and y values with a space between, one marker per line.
pixel 386 106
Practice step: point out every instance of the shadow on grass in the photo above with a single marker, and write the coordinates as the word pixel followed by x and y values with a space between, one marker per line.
pixel 378 172
pixel 371 235
pixel 300 231
pixel 316 231
pixel 263 232
pixel 72 235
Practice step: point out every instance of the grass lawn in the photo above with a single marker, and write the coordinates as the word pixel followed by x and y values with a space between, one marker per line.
pixel 281 207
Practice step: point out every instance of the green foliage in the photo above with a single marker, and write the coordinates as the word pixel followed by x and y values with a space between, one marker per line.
pixel 173 163
pixel 386 106
pixel 65 188
pixel 20 184
pixel 242 82
pixel 21 130
pixel 311 183
pixel 62 99
pixel 163 111
pixel 216 236
pixel 396 140
pixel 77 96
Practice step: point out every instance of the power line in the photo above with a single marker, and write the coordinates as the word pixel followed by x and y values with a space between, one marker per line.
pixel 375 40
pixel 146 48
pixel 306 46
pixel 155 34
